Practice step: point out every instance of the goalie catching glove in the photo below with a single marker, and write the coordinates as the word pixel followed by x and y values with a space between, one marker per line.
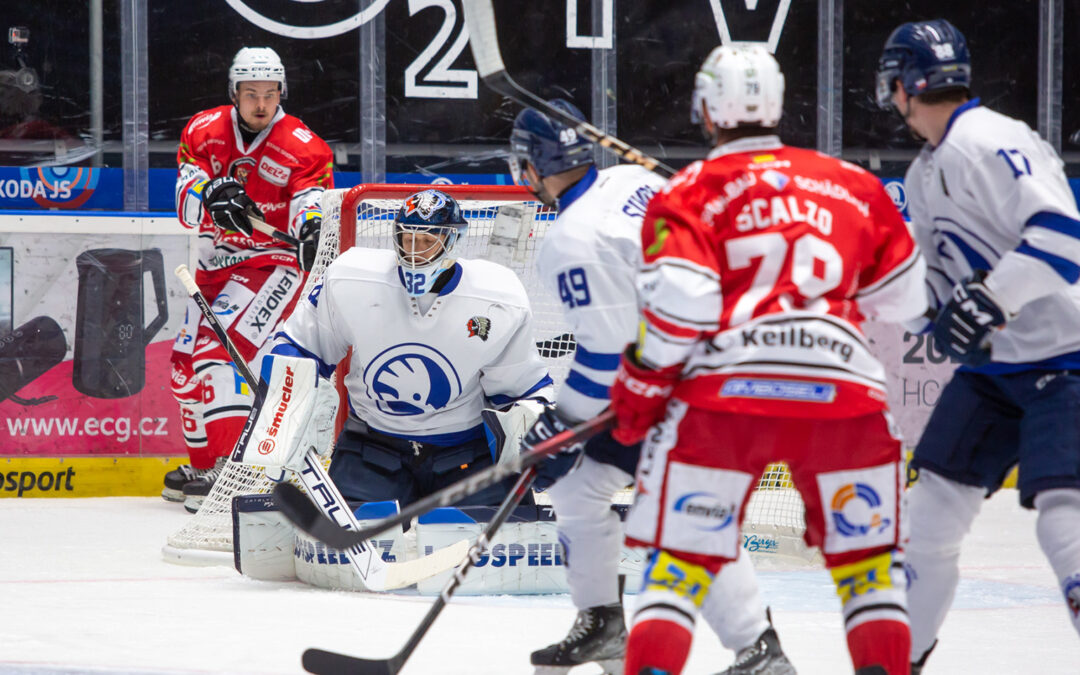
pixel 296 415
pixel 639 397
pixel 229 206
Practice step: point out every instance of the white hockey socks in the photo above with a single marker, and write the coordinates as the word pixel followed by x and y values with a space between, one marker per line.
pixel 1058 530
pixel 589 531
pixel 940 513
pixel 733 606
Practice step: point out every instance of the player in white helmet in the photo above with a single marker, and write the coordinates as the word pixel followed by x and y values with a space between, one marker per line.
pixel 589 258
pixel 237 162
pixel 760 263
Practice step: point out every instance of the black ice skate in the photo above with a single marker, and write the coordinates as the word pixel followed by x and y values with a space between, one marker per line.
pixel 176 479
pixel 195 491
pixel 764 657
pixel 598 635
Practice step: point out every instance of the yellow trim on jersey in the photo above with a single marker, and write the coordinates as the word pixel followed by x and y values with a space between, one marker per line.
pixel 665 572
pixel 864 576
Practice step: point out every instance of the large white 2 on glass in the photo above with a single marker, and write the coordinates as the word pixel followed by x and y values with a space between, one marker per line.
pixel 816 268
pixel 443 81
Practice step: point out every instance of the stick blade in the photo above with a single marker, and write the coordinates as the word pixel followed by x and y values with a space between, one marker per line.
pixel 331 663
pixel 303 513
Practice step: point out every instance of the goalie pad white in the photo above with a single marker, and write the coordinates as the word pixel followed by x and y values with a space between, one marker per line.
pixel 263 539
pixel 296 414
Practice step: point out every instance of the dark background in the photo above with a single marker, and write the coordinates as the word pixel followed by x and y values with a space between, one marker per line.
pixel 659 46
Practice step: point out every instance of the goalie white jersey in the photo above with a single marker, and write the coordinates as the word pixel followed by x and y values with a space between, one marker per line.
pixel 992 195
pixel 423 376
pixel 589 259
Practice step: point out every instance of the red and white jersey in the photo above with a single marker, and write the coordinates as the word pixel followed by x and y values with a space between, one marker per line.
pixel 285 170
pixel 761 262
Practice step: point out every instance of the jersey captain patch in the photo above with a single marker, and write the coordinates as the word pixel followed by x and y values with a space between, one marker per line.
pixel 479 326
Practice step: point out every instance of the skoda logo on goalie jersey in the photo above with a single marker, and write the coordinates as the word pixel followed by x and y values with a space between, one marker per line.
pixel 411 379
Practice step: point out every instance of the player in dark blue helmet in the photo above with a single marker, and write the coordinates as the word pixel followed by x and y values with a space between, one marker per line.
pixel 546 155
pixel 926 59
pixel 994 216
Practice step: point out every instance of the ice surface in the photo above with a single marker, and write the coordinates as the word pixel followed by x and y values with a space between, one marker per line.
pixel 83 588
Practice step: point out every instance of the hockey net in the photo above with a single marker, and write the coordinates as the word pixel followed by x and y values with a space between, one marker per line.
pixel 506 226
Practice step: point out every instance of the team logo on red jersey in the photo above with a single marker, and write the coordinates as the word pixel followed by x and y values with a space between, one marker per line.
pixel 241 168
pixel 479 326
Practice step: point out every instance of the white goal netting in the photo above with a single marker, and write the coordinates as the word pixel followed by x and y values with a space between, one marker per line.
pixel 505 226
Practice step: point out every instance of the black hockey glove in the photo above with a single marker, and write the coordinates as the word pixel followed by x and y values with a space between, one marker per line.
pixel 229 205
pixel 553 467
pixel 962 328
pixel 308 244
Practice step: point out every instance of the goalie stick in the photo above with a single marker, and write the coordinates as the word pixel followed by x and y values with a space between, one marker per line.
pixel 484 42
pixel 299 509
pixel 331 663
pixel 375 573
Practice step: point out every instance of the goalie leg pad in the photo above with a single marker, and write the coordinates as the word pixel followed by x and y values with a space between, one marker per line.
pixel 296 414
pixel 263 539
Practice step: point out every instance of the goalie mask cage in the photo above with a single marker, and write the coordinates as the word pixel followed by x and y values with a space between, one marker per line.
pixel 506 225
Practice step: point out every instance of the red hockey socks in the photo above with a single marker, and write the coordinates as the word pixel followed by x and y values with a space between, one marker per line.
pixel 881 643
pixel 663 645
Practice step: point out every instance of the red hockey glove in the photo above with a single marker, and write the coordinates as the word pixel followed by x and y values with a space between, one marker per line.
pixel 639 397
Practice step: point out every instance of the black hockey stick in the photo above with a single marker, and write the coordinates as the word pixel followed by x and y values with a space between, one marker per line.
pixel 484 42
pixel 331 663
pixel 298 508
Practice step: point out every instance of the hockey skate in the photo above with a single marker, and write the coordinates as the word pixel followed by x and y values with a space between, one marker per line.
pixel 764 657
pixel 598 635
pixel 195 491
pixel 176 479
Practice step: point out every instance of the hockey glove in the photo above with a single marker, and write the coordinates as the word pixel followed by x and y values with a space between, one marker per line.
pixel 962 328
pixel 553 467
pixel 505 429
pixel 308 244
pixel 639 397
pixel 229 206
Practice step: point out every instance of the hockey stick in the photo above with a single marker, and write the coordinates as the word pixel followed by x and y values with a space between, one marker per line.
pixel 484 42
pixel 331 663
pixel 304 515
pixel 375 573
pixel 271 231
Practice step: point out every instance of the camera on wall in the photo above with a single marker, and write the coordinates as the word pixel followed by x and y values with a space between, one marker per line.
pixel 25 78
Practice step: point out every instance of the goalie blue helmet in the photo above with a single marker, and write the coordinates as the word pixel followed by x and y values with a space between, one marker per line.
pixel 426 227
pixel 923 56
pixel 547 143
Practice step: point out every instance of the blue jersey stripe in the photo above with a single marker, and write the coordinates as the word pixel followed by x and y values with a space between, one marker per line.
pixel 290 348
pixel 1066 269
pixel 1056 222
pixel 596 360
pixel 587 387
pixel 500 400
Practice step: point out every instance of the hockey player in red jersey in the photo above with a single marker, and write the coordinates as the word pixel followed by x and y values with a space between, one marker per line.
pixel 237 162
pixel 761 262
